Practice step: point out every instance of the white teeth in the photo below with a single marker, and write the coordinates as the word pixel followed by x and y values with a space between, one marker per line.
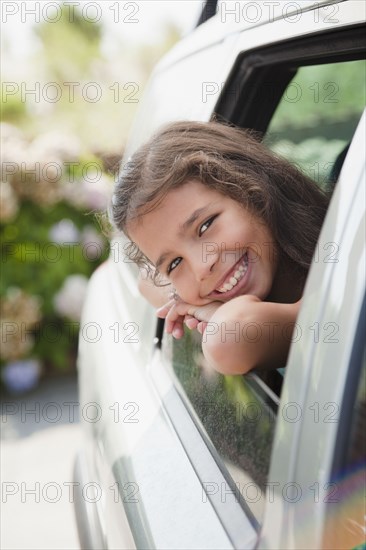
pixel 239 273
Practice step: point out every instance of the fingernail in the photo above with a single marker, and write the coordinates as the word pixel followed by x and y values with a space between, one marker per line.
pixel 177 333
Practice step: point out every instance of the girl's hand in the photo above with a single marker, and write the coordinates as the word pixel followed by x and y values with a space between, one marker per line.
pixel 195 317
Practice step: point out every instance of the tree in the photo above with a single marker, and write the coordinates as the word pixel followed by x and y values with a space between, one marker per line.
pixel 70 45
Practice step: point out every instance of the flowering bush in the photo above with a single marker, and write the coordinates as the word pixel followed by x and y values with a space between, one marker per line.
pixel 51 243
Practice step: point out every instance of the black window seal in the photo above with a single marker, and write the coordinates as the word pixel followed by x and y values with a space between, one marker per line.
pixel 159 333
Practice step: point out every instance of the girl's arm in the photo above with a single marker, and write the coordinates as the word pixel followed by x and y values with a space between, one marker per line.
pixel 246 333
pixel 239 335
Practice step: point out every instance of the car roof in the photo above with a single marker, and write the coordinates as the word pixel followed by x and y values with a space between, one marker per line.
pixel 216 29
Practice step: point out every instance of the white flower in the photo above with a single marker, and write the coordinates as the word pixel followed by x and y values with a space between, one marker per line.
pixel 89 194
pixel 13 147
pixel 10 132
pixel 64 232
pixel 55 144
pixel 93 243
pixel 69 301
pixel 8 202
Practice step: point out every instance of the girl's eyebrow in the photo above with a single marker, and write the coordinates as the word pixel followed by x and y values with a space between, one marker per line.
pixel 192 218
pixel 183 227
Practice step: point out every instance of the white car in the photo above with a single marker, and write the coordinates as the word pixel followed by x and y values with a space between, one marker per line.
pixel 175 456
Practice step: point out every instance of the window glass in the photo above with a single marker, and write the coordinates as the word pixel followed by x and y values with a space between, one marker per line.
pixel 237 413
pixel 317 116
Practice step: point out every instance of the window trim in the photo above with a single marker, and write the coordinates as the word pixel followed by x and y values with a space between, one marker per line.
pixel 271 68
pixel 203 455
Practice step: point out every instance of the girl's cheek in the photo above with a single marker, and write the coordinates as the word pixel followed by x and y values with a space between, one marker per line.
pixel 181 282
pixel 185 293
pixel 187 287
pixel 185 296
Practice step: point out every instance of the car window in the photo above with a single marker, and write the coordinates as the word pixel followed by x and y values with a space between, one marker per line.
pixel 317 117
pixel 235 413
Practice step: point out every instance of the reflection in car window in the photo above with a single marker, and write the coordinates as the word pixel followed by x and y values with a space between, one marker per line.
pixel 317 116
pixel 235 412
pixel 346 521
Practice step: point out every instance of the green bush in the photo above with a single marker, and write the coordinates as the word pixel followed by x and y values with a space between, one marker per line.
pixel 51 243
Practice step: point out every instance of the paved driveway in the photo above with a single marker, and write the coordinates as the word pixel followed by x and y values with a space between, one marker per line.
pixel 40 435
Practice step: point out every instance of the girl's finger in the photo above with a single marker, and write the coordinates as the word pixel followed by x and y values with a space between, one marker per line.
pixel 163 311
pixel 176 311
pixel 175 328
pixel 191 322
pixel 174 323
pixel 201 327
pixel 178 330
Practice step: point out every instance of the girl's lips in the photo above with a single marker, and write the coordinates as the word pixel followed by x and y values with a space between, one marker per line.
pixel 237 289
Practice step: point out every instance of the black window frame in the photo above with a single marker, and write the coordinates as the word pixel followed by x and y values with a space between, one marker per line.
pixel 260 76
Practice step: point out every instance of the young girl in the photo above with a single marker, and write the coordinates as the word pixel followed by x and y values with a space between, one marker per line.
pixel 231 228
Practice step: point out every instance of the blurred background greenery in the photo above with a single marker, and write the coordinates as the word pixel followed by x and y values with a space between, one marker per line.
pixel 66 109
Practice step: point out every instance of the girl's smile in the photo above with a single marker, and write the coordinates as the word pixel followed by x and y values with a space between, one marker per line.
pixel 207 245
pixel 230 283
pixel 230 227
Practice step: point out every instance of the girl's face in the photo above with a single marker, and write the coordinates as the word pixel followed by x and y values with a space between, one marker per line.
pixel 207 245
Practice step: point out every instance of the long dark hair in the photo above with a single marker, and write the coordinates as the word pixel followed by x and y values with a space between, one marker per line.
pixel 233 162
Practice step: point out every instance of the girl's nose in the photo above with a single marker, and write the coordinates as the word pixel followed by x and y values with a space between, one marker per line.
pixel 204 265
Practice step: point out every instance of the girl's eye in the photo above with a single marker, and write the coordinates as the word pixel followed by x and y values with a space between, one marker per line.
pixel 173 265
pixel 206 225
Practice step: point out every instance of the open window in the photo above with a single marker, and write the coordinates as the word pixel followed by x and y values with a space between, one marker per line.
pixel 305 96
pixel 317 116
